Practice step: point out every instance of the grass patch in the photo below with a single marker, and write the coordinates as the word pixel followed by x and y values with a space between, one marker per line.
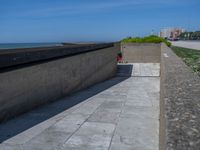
pixel 190 57
pixel 147 39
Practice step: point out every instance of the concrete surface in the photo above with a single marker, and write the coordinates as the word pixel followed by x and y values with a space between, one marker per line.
pixel 187 44
pixel 145 69
pixel 141 52
pixel 180 104
pixel 12 58
pixel 119 114
pixel 24 88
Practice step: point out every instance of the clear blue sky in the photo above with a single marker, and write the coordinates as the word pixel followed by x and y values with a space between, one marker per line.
pixel 92 20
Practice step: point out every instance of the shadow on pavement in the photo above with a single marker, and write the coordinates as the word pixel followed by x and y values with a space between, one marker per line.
pixel 124 70
pixel 21 123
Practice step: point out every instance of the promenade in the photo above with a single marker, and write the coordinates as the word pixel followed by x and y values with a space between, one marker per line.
pixel 187 44
pixel 119 114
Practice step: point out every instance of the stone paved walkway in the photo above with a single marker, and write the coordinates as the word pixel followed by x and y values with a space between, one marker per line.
pixel 119 114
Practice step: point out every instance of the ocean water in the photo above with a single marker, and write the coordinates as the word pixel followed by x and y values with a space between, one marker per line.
pixel 26 45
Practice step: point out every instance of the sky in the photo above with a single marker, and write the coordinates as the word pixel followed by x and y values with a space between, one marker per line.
pixel 27 21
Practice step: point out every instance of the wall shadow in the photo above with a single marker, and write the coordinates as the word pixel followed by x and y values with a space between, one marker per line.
pixel 23 122
pixel 124 70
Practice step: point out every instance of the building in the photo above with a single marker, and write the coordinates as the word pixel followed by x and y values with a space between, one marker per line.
pixel 171 33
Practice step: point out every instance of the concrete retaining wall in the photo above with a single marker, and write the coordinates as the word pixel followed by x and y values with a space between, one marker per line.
pixel 141 52
pixel 179 104
pixel 24 88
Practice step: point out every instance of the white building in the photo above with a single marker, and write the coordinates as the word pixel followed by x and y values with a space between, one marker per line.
pixel 171 32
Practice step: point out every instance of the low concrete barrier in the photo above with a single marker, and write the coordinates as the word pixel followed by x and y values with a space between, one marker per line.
pixel 141 52
pixel 179 104
pixel 51 74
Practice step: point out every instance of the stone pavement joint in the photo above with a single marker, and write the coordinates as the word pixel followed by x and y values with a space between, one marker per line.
pixel 119 114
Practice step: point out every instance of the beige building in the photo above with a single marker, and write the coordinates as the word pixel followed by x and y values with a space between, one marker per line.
pixel 171 33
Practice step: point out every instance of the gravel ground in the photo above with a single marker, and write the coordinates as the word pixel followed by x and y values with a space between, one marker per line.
pixel 180 104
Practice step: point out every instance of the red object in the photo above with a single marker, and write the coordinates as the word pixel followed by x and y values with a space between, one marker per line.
pixel 119 58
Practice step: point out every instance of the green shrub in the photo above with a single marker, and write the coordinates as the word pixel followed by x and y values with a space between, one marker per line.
pixel 147 39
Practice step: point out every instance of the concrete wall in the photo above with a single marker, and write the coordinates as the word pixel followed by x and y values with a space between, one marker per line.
pixel 141 52
pixel 179 104
pixel 24 88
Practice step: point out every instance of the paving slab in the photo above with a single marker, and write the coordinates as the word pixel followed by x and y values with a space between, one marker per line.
pixel 91 135
pixel 119 114
pixel 141 69
pixel 105 116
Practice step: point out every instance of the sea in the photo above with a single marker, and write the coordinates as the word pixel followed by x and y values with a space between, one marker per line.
pixel 26 45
